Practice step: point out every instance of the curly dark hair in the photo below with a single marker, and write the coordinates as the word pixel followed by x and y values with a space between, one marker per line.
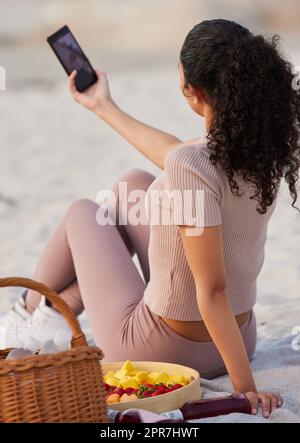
pixel 250 86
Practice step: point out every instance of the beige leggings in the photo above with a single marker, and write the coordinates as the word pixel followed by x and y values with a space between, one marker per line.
pixel 91 267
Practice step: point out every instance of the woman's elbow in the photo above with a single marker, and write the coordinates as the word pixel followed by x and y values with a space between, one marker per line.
pixel 211 294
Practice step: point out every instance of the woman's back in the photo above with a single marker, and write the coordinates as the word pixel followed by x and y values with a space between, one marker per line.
pixel 171 290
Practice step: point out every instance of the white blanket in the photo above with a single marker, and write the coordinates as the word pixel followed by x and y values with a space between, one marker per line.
pixel 276 367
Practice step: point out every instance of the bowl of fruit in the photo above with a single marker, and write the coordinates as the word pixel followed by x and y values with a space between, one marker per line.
pixel 153 386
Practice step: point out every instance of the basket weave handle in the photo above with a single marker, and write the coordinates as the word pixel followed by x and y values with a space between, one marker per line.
pixel 78 337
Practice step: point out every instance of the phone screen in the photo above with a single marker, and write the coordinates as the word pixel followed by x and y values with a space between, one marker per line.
pixel 72 57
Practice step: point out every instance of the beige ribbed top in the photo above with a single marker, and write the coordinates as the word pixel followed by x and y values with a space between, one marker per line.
pixel 171 290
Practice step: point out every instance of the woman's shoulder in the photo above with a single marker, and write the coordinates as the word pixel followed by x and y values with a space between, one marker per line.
pixel 190 163
pixel 189 151
pixel 193 157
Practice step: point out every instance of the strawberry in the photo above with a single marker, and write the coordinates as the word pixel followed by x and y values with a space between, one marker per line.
pixel 120 391
pixel 130 391
pixel 174 387
pixel 147 393
pixel 177 386
pixel 161 390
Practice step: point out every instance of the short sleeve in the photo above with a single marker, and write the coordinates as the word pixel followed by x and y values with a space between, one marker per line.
pixel 193 186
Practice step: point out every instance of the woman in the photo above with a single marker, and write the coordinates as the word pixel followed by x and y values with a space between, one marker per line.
pixel 195 303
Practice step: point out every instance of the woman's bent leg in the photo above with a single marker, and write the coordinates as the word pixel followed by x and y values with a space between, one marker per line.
pixel 109 282
pixel 56 268
pixel 136 236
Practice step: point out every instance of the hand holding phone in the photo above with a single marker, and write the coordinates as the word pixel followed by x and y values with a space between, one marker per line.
pixel 72 57
pixel 88 87
pixel 94 97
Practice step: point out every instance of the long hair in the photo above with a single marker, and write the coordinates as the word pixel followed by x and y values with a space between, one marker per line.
pixel 250 86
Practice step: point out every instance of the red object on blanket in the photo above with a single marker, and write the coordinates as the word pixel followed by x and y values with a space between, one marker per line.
pixel 189 411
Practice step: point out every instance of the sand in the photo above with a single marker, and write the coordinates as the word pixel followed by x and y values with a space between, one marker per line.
pixel 53 152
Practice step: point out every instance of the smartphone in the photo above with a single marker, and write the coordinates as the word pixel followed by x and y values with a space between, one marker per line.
pixel 72 57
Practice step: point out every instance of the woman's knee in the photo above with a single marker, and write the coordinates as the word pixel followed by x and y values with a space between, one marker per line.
pixel 135 178
pixel 81 208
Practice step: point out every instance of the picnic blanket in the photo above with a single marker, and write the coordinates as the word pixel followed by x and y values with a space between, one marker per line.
pixel 276 367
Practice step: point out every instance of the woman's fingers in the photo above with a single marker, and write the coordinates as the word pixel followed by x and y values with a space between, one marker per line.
pixel 269 402
pixel 274 402
pixel 101 73
pixel 266 404
pixel 95 95
pixel 72 85
pixel 253 398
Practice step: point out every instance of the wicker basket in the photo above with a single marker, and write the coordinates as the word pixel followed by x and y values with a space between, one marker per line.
pixel 66 387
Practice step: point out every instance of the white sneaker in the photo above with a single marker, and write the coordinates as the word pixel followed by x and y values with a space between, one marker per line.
pixel 45 324
pixel 12 321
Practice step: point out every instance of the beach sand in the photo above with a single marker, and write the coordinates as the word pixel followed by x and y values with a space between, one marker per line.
pixel 54 152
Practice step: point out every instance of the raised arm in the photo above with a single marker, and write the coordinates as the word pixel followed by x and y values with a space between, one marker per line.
pixel 151 142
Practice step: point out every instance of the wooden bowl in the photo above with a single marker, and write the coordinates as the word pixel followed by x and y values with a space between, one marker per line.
pixel 164 402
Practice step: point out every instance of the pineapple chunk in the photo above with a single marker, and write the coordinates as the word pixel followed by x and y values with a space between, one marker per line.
pixel 129 382
pixel 178 378
pixel 122 373
pixel 142 376
pixel 162 377
pixel 113 381
pixel 128 366
pixel 152 377
pixel 186 379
